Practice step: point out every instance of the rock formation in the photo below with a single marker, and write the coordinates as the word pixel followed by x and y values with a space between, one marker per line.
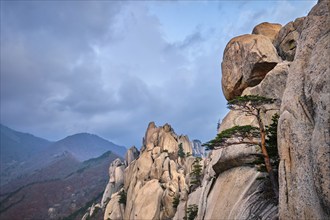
pixel 286 40
pixel 146 185
pixel 304 124
pixel 157 177
pixel 233 190
pixel 246 61
pixel 161 183
pixel 116 180
pixel 269 30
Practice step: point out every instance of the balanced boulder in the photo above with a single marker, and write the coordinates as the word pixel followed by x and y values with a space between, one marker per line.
pixel 246 61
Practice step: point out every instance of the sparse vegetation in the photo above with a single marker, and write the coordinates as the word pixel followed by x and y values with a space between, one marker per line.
pixel 181 152
pixel 271 141
pixel 241 132
pixel 123 197
pixel 196 173
pixel 191 212
pixel 176 201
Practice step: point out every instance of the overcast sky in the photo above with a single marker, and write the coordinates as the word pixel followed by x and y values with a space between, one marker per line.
pixel 111 67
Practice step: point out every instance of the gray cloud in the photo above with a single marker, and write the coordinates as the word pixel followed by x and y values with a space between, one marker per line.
pixel 105 67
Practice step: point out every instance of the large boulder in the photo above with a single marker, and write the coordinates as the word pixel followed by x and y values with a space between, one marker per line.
pixel 246 61
pixel 269 30
pixel 286 40
pixel 147 201
pixel 304 140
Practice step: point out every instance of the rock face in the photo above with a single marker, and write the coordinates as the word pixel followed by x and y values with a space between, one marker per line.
pixel 153 178
pixel 116 180
pixel 286 40
pixel 304 124
pixel 114 209
pixel 269 30
pixel 246 61
pixel 131 154
pixel 235 196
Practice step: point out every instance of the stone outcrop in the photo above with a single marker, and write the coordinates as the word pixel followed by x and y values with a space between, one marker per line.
pixel 246 61
pixel 238 194
pixel 146 204
pixel 273 84
pixel 267 29
pixel 304 140
pixel 286 40
pixel 131 155
pixel 116 180
pixel 153 178
pixel 114 209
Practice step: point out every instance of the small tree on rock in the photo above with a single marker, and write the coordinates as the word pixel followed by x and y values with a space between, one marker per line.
pixel 196 173
pixel 191 212
pixel 181 151
pixel 271 141
pixel 122 197
pixel 251 105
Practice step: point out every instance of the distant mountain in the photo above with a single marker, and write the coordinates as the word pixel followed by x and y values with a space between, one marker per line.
pixel 59 168
pixel 17 147
pixel 23 154
pixel 44 180
pixel 84 146
pixel 64 188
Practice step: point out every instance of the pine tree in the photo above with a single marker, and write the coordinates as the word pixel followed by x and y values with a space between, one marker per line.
pixel 122 197
pixel 191 212
pixel 251 105
pixel 271 141
pixel 181 152
pixel 196 173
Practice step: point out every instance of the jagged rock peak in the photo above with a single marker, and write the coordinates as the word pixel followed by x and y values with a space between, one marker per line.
pixel 131 154
pixel 246 61
pixel 116 180
pixel 165 138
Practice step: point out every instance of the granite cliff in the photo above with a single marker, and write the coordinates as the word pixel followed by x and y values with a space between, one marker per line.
pixel 289 64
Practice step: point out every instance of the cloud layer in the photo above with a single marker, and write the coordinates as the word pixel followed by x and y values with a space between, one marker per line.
pixel 109 67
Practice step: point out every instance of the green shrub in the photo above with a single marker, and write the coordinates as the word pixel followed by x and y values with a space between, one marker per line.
pixel 180 151
pixel 196 173
pixel 191 213
pixel 176 201
pixel 123 197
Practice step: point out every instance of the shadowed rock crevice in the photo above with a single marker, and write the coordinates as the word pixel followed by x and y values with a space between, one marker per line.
pixel 259 72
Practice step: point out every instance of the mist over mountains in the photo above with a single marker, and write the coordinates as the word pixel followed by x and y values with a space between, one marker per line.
pixel 52 175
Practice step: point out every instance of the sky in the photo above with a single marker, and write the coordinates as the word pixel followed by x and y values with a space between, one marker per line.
pixel 111 67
